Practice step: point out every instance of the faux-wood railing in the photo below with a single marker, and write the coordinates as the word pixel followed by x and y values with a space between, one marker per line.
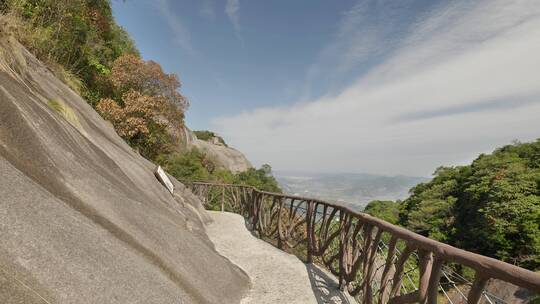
pixel 375 261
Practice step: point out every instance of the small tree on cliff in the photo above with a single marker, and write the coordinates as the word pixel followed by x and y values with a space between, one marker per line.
pixel 144 105
pixel 129 72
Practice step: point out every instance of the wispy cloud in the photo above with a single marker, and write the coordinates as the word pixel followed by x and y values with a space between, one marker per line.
pixel 504 103
pixel 232 8
pixel 462 80
pixel 207 9
pixel 181 34
pixel 366 34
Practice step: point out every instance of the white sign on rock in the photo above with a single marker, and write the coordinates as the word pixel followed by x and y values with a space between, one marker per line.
pixel 164 179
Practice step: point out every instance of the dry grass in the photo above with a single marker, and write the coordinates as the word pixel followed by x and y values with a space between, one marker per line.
pixel 64 110
pixel 35 40
pixel 67 77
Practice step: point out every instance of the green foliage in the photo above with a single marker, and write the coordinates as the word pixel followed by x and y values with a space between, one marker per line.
pixel 491 206
pixel 195 165
pixel 188 166
pixel 428 210
pixel 209 135
pixel 535 300
pixel 3 6
pixel 157 142
pixel 385 210
pixel 261 179
pixel 79 35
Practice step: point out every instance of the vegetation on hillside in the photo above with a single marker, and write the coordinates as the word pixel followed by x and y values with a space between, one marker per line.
pixel 491 206
pixel 208 135
pixel 82 45
pixel 77 39
pixel 385 210
pixel 143 104
pixel 197 166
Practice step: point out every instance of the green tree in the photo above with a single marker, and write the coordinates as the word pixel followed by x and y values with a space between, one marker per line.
pixel 261 179
pixel 491 206
pixel 78 39
pixel 385 210
pixel 188 166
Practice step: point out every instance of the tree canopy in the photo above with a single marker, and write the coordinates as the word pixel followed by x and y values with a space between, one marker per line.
pixel 385 210
pixel 491 206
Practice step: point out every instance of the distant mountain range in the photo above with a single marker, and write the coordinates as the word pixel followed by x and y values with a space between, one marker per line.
pixel 352 189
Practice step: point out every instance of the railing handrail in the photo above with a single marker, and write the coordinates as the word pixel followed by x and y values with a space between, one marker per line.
pixel 486 266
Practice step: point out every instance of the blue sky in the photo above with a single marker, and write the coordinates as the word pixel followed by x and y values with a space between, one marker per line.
pixel 229 62
pixel 377 86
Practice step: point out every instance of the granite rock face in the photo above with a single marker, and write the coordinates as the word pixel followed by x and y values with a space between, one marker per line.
pixel 226 157
pixel 82 217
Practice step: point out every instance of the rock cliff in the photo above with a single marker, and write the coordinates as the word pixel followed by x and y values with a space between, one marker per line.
pixel 226 157
pixel 82 217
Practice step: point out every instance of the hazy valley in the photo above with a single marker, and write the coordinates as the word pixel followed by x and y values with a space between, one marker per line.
pixel 352 189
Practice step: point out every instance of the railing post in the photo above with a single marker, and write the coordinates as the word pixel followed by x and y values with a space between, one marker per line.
pixel 222 198
pixel 309 228
pixel 434 279
pixel 341 250
pixel 426 269
pixel 278 231
pixel 477 288
pixel 255 209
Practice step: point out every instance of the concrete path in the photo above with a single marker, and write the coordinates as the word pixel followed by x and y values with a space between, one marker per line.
pixel 276 276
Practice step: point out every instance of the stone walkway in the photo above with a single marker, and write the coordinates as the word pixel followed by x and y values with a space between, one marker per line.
pixel 276 276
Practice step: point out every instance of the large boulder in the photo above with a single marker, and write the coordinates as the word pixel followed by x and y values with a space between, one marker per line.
pixel 82 217
pixel 224 156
